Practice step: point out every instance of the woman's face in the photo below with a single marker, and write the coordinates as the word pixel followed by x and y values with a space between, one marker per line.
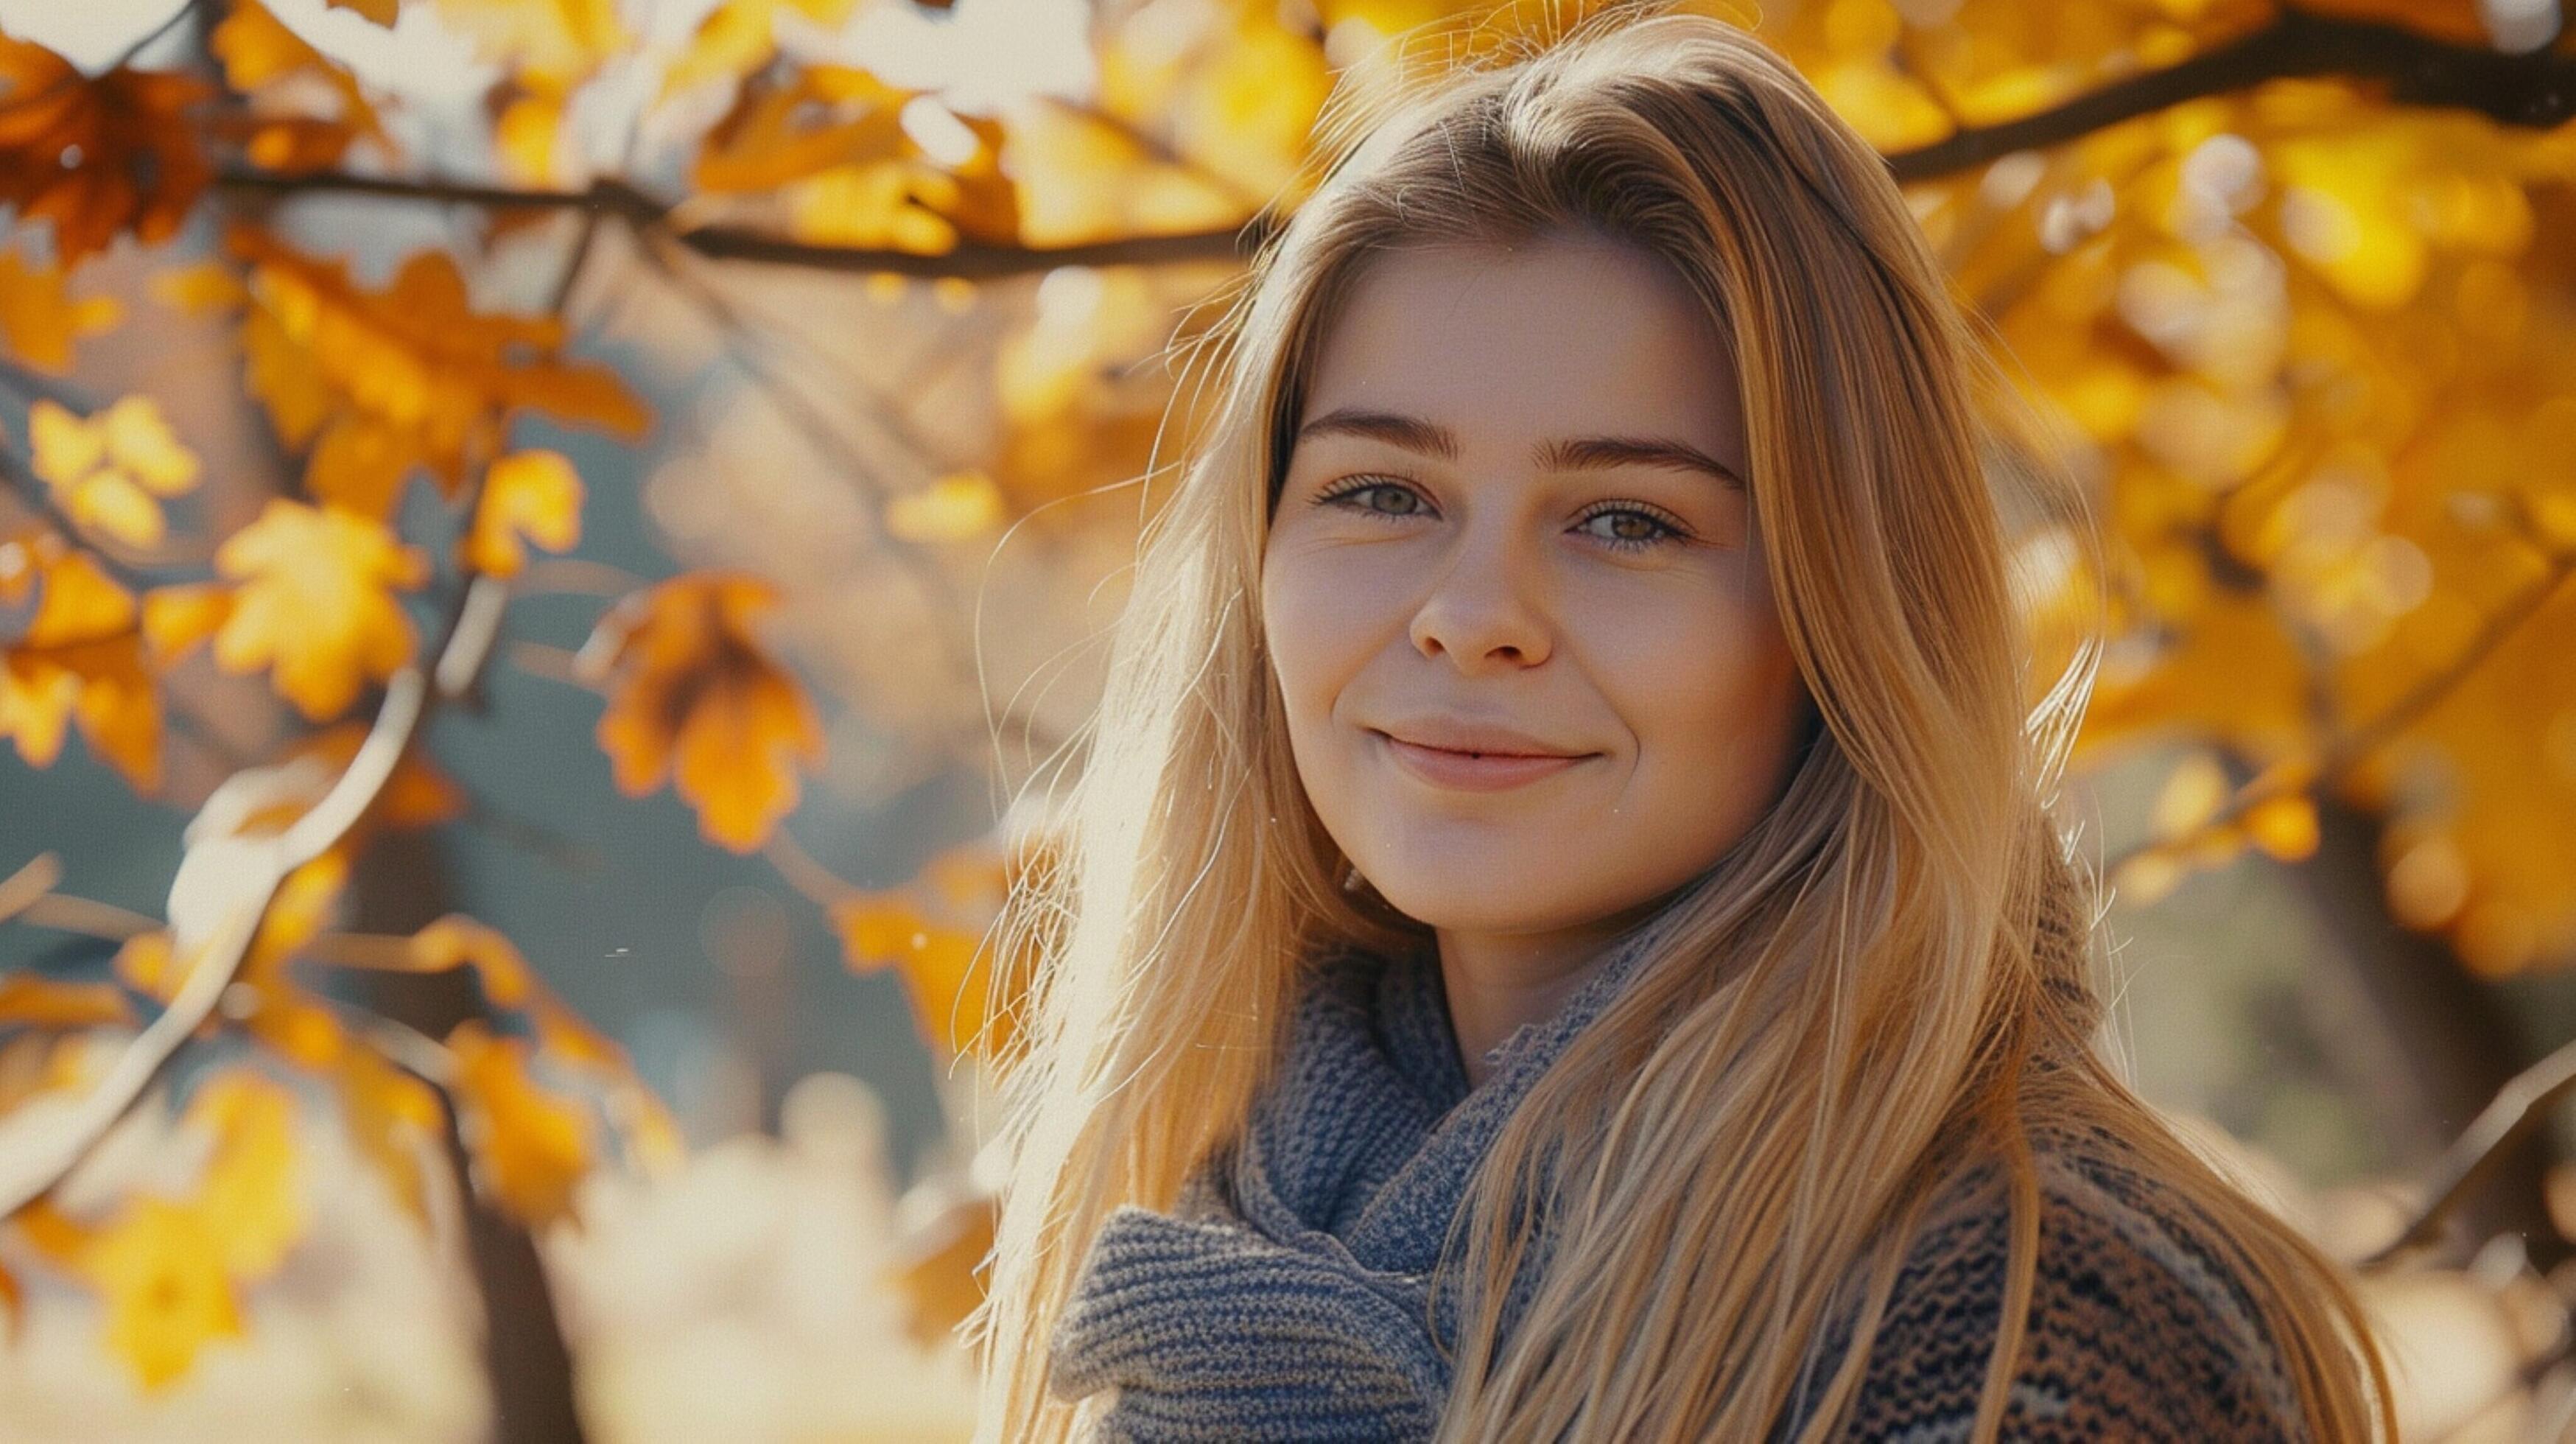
pixel 1517 504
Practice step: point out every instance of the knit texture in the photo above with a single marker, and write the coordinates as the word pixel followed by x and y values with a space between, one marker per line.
pixel 2137 1330
pixel 1288 1295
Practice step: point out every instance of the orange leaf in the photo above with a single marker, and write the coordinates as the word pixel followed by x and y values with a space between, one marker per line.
pixel 81 657
pixel 510 984
pixel 81 602
pixel 360 464
pixel 148 964
pixel 457 941
pixel 94 156
pixel 939 1277
pixel 315 603
pixel 937 963
pixel 692 696
pixel 739 37
pixel 200 288
pixel 527 135
pixel 40 317
pixel 530 1147
pixel 531 494
pixel 378 381
pixel 862 162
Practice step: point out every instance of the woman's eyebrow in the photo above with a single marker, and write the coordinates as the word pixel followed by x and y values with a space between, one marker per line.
pixel 1581 453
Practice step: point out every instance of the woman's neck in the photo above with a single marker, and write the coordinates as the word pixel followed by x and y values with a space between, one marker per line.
pixel 1495 984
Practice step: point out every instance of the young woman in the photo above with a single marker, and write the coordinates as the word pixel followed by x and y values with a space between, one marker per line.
pixel 1559 934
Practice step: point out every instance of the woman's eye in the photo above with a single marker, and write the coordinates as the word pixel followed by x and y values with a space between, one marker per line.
pixel 1343 497
pixel 1656 530
pixel 1662 530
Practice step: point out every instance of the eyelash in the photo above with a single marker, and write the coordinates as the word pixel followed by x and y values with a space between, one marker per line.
pixel 1674 531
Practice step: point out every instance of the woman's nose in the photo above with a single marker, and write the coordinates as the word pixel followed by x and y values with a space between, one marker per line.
pixel 1486 601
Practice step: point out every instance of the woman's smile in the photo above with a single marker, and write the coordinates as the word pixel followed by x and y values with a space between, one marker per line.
pixel 1473 771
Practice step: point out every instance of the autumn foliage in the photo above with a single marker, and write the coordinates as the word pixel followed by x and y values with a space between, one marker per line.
pixel 2310 321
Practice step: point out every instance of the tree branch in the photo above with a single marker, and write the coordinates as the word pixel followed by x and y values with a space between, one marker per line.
pixel 34 1155
pixel 972 260
pixel 2535 89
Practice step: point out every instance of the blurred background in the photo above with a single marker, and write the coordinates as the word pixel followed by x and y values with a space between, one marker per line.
pixel 543 544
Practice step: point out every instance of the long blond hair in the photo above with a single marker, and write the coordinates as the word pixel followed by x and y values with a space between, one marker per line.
pixel 1882 981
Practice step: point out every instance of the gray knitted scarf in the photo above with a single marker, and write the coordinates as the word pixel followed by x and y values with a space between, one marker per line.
pixel 1287 1294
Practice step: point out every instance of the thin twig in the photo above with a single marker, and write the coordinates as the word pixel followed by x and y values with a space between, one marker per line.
pixel 41 875
pixel 86 916
pixel 566 852
pixel 579 576
pixel 555 664
pixel 819 884
pixel 2521 1103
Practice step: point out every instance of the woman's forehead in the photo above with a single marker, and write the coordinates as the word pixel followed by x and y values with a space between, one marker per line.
pixel 1561 336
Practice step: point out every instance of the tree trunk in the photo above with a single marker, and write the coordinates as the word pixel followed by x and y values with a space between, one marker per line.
pixel 2456 1044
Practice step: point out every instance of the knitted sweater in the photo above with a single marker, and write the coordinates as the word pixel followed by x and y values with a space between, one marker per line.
pixel 1285 1296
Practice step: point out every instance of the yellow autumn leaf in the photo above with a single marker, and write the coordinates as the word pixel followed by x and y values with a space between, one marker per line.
pixel 379 380
pixel 934 961
pixel 79 659
pixel 250 1194
pixel 528 496
pixel 314 602
pixel 565 38
pixel 737 37
pixel 177 618
pixel 510 985
pixel 2284 827
pixel 2191 796
pixel 41 318
pixel 170 1270
pixel 938 1276
pixel 109 471
pixel 527 136
pixel 160 1267
pixel 279 73
pixel 200 288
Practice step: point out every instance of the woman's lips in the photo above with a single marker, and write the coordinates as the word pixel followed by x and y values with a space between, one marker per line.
pixel 1491 772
